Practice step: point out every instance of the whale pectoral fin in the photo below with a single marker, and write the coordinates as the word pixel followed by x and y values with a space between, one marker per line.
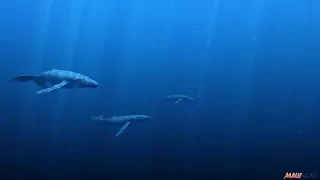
pixel 55 87
pixel 124 127
pixel 178 101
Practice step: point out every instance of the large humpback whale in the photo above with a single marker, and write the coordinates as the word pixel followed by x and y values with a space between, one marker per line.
pixel 126 120
pixel 55 79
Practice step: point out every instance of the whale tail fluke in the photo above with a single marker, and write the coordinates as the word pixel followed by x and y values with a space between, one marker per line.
pixel 161 100
pixel 22 79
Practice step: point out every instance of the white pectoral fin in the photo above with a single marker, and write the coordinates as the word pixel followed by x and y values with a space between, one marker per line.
pixel 55 87
pixel 178 101
pixel 124 127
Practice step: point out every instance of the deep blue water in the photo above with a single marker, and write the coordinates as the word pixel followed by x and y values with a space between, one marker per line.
pixel 253 67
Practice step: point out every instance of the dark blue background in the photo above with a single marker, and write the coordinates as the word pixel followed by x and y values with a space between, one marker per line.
pixel 253 67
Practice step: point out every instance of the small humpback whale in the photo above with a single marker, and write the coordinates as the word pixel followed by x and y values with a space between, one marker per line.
pixel 177 98
pixel 123 119
pixel 55 79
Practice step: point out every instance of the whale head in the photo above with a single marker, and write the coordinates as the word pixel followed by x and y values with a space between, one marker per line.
pixel 142 118
pixel 87 83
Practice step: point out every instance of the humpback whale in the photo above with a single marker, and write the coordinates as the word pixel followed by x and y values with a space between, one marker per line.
pixel 55 79
pixel 177 98
pixel 126 120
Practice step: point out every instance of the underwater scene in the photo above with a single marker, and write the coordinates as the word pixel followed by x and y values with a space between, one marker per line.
pixel 159 89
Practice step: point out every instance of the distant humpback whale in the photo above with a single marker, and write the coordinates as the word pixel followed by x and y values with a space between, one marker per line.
pixel 126 120
pixel 55 79
pixel 178 98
